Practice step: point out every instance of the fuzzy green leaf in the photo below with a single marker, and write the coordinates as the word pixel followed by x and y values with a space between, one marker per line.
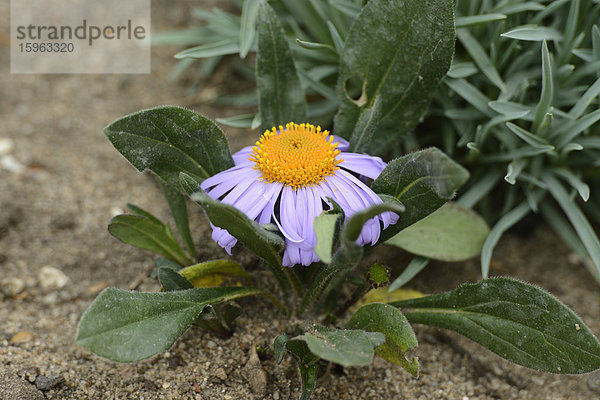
pixel 347 347
pixel 515 320
pixel 257 239
pixel 398 50
pixel 280 92
pixel 423 181
pixel 128 326
pixel 451 233
pixel 399 336
pixel 169 140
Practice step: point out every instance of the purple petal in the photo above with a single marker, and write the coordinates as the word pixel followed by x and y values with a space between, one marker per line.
pixel 343 144
pixel 243 156
pixel 224 181
pixel 362 164
pixel 287 214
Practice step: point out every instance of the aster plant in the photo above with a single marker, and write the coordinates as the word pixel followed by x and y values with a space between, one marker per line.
pixel 311 204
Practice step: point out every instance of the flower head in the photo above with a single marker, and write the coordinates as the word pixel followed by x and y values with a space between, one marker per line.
pixel 288 176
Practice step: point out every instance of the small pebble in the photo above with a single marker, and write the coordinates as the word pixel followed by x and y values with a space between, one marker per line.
pixel 221 374
pixel 21 337
pixel 11 164
pixel 45 383
pixel 6 146
pixel 52 278
pixel 12 286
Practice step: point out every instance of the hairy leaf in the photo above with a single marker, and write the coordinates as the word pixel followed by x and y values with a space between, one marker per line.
pixel 515 320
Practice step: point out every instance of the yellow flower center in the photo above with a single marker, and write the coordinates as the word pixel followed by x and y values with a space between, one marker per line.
pixel 299 155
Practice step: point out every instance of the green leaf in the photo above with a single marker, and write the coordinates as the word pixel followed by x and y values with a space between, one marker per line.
pixel 470 20
pixel 576 217
pixel 170 280
pixel 220 48
pixel 399 50
pixel 326 226
pixel 279 347
pixel 451 233
pixel 148 234
pixel 280 92
pixel 423 181
pixel 547 94
pixel 169 140
pixel 503 224
pixel 481 58
pixel 128 326
pixel 533 33
pixel 354 224
pixel 237 121
pixel 178 208
pixel 248 25
pixel 347 347
pixel 415 266
pixel 257 239
pixel 515 320
pixel 399 336
pixel 213 273
pixel 308 365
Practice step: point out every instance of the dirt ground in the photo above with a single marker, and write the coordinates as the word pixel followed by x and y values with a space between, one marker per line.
pixel 61 182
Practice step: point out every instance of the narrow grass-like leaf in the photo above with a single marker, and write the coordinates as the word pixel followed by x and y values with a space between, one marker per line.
pixel 315 45
pixel 470 20
pixel 128 326
pixel 515 320
pixel 237 121
pixel 462 70
pixel 533 33
pixel 585 100
pixel 576 217
pixel 399 50
pixel 169 140
pixel 514 170
pixel 336 38
pixel 220 48
pixel 519 7
pixel 416 265
pixel 508 107
pixel 451 233
pixel 280 92
pixel 480 58
pixel 248 25
pixel 528 137
pixel 582 188
pixel 574 128
pixel 547 94
pixel 499 228
pixel 471 94
pixel 399 336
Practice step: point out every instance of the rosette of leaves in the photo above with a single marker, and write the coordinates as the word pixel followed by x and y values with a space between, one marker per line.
pixel 520 109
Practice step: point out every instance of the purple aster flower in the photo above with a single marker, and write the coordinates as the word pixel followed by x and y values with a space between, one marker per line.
pixel 288 176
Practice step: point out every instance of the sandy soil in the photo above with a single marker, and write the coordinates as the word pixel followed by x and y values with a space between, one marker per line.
pixel 63 182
